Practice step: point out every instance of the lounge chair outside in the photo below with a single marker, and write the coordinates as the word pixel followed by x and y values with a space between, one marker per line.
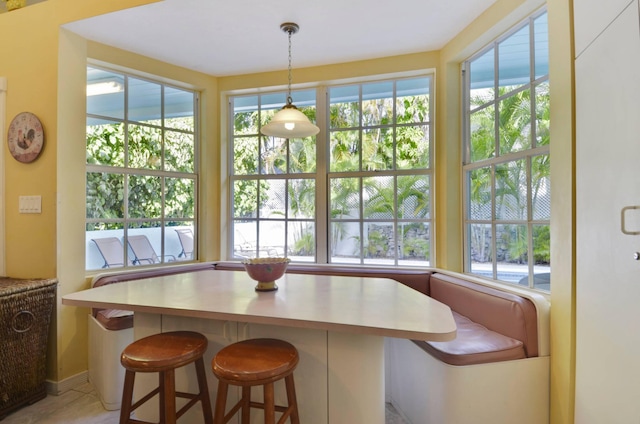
pixel 185 235
pixel 144 252
pixel 112 251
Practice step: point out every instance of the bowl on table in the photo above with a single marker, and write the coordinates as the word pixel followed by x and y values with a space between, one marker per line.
pixel 266 271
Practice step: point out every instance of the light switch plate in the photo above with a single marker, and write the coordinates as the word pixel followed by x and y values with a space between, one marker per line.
pixel 30 204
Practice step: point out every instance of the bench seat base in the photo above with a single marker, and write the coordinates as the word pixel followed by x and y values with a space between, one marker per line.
pixel 428 391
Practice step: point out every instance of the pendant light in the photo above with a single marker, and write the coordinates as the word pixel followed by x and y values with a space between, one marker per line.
pixel 289 122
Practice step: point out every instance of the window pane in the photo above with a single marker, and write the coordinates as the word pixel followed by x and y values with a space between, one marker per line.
pixel 412 101
pixel 179 197
pixel 377 149
pixel 414 195
pixel 377 103
pixel 145 147
pixel 144 201
pixel 271 241
pixel 179 151
pixel 514 61
pixel 344 110
pixel 479 249
pixel 541 187
pixel 541 248
pixel 479 202
pixel 144 101
pixel 302 199
pixel 541 34
pixel 345 239
pixel 415 238
pixel 105 195
pixel 245 239
pixel 178 109
pixel 515 123
pixel 542 114
pixel 245 115
pixel 345 198
pixel 482 134
pixel 272 199
pixel 345 146
pixel 302 155
pixel 273 155
pixel 511 251
pixel 302 241
pixel 245 195
pixel 245 155
pixel 511 191
pixel 379 246
pixel 104 247
pixel 412 147
pixel 379 197
pixel 482 79
pixel 105 93
pixel 105 144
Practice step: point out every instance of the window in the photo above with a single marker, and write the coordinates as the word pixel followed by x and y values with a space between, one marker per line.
pixel 141 179
pixel 359 192
pixel 506 160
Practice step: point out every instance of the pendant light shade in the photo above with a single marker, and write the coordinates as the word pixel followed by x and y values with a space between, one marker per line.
pixel 289 122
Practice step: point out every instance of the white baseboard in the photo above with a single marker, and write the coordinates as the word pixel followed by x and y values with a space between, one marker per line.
pixel 59 387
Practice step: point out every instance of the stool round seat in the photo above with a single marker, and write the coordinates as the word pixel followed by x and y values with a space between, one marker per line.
pixel 163 353
pixel 256 362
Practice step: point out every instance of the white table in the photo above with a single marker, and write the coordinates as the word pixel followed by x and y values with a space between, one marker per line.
pixel 337 323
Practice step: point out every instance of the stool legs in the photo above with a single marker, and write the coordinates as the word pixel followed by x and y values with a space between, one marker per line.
pixel 127 396
pixel 291 399
pixel 268 405
pixel 204 391
pixel 167 396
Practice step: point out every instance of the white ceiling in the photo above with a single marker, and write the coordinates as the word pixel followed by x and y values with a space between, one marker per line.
pixel 233 37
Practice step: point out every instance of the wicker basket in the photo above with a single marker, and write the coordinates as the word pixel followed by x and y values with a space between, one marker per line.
pixel 25 314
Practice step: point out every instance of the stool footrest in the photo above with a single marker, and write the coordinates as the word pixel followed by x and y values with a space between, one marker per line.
pixel 145 398
pixel 193 399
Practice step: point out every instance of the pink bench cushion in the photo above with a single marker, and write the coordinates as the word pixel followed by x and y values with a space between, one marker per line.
pixel 474 344
pixel 503 312
pixel 114 319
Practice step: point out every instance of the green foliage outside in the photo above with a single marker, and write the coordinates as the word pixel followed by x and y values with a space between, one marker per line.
pixel 149 197
pixel 516 128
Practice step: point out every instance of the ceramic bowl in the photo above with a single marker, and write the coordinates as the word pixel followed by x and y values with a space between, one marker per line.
pixel 266 271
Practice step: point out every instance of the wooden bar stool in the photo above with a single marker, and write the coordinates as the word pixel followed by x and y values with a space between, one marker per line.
pixel 164 353
pixel 256 362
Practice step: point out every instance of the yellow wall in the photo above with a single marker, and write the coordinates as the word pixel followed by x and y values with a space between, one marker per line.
pixel 45 74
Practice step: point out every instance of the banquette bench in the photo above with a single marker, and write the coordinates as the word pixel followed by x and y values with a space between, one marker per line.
pixel 495 371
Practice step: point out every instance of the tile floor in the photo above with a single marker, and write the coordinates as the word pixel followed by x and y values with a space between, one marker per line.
pixel 82 406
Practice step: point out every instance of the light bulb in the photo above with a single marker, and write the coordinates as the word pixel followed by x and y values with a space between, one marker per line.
pixel 290 125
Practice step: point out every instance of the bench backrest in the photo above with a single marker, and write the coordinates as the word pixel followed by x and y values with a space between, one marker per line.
pixel 417 279
pixel 503 312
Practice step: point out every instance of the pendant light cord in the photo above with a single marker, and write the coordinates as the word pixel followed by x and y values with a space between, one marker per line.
pixel 289 99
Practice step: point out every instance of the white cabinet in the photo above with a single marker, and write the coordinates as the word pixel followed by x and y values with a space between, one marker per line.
pixel 608 179
pixel 591 17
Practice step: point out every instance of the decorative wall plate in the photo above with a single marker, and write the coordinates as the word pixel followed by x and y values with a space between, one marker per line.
pixel 25 137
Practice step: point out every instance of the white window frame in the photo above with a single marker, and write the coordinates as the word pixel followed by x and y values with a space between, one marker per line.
pixel 165 256
pixel 498 159
pixel 323 175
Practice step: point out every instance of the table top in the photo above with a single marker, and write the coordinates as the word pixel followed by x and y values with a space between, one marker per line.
pixel 374 306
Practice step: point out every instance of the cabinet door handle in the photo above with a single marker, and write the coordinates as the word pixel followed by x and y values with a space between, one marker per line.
pixel 624 228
